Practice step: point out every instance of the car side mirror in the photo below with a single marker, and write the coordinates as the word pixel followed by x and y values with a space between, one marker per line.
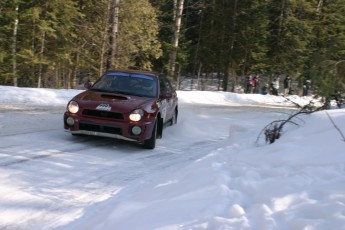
pixel 166 96
pixel 88 85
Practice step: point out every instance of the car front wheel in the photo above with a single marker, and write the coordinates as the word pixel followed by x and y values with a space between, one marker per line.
pixel 151 143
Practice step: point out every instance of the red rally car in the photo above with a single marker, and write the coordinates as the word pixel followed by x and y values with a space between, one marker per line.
pixel 124 104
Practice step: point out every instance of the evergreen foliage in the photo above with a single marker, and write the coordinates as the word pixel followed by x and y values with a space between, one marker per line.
pixel 138 36
pixel 326 60
pixel 60 43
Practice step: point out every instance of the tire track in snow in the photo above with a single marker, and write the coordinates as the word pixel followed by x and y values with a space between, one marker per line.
pixel 76 148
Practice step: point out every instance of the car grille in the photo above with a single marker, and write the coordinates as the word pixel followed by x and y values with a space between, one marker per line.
pixel 103 114
pixel 100 128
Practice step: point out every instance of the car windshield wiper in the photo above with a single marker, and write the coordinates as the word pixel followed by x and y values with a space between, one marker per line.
pixel 105 91
pixel 97 90
pixel 120 92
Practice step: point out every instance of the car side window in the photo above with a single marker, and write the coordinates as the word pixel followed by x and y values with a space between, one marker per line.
pixel 165 86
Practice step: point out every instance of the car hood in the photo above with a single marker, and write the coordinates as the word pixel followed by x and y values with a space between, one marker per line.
pixel 111 101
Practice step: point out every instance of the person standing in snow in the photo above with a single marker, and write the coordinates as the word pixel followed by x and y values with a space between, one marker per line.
pixel 287 85
pixel 306 86
pixel 249 84
pixel 264 89
pixel 255 83
pixel 275 86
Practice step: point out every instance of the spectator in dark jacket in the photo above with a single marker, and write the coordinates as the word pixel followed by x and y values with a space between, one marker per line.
pixel 287 85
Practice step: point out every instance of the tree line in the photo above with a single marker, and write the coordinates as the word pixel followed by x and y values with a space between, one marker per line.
pixel 59 43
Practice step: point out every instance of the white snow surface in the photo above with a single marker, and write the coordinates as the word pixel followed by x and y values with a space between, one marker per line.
pixel 212 170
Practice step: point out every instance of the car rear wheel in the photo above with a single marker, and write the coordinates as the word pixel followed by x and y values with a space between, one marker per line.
pixel 151 143
pixel 174 118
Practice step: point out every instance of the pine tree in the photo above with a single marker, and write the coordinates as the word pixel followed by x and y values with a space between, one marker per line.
pixel 289 34
pixel 45 32
pixel 325 66
pixel 138 43
pixel 8 37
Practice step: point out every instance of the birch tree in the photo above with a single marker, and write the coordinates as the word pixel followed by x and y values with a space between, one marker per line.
pixel 14 47
pixel 175 41
pixel 114 30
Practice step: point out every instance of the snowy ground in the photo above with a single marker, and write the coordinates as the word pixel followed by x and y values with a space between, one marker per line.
pixel 206 173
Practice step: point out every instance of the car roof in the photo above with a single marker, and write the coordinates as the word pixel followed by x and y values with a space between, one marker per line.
pixel 150 73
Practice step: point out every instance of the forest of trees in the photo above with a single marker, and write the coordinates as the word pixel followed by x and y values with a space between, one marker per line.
pixel 59 43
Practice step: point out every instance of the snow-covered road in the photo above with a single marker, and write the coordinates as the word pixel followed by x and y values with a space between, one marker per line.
pixel 207 173
pixel 57 178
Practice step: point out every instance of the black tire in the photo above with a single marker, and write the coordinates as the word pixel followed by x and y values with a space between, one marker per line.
pixel 151 143
pixel 77 135
pixel 174 118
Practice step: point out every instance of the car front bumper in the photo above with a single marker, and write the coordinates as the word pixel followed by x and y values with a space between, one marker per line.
pixel 108 128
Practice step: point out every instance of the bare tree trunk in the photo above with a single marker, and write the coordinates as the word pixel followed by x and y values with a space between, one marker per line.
pixel 225 79
pixel 178 83
pixel 198 77
pixel 105 37
pixel 114 26
pixel 232 42
pixel 319 5
pixel 175 10
pixel 219 81
pixel 172 60
pixel 281 18
pixel 196 54
pixel 75 71
pixel 69 71
pixel 40 67
pixel 57 77
pixel 14 49
pixel 63 76
pixel 101 60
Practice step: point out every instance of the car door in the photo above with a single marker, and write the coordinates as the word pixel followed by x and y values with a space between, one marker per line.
pixel 168 97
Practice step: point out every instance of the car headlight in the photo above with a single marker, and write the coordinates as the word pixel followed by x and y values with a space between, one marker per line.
pixel 73 107
pixel 136 115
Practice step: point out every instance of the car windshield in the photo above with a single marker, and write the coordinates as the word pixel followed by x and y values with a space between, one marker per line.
pixel 127 83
